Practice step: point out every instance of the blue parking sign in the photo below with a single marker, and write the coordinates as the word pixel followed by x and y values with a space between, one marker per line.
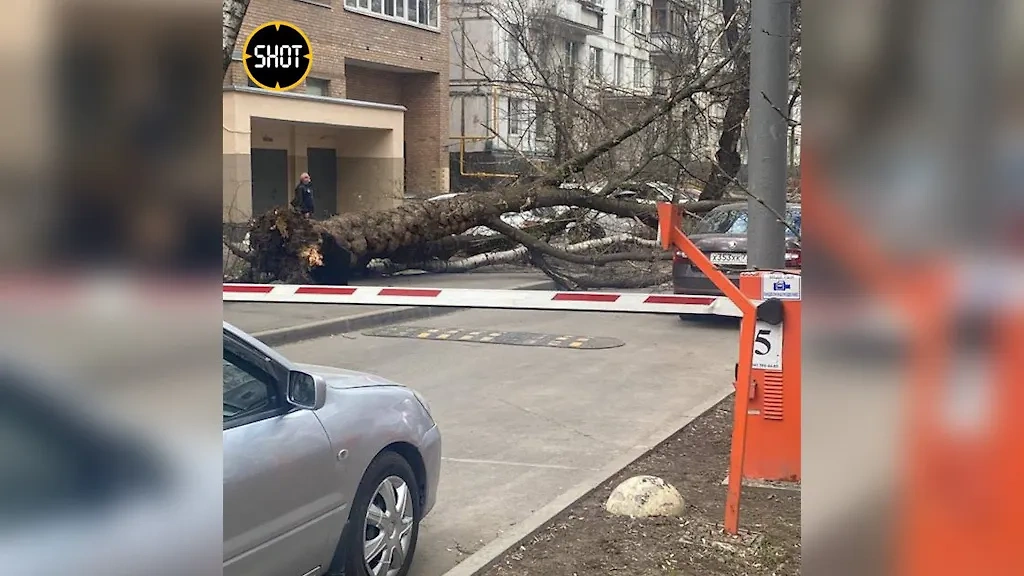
pixel 780 285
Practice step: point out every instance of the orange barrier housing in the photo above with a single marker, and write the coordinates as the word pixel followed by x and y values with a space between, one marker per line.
pixel 960 502
pixel 772 450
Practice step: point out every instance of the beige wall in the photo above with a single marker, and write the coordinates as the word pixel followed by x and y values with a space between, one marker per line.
pixel 368 141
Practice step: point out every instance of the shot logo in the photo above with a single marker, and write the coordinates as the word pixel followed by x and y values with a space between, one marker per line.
pixel 277 56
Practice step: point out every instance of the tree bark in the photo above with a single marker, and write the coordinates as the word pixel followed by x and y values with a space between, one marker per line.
pixel 233 13
pixel 727 157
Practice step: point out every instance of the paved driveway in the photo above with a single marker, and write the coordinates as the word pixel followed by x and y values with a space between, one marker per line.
pixel 523 424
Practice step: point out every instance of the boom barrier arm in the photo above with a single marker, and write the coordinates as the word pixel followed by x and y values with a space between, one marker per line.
pixel 672 236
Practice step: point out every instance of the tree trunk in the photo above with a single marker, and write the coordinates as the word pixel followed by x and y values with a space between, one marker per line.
pixel 289 247
pixel 233 13
pixel 727 157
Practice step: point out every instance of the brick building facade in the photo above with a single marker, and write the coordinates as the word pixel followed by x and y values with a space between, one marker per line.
pixel 372 115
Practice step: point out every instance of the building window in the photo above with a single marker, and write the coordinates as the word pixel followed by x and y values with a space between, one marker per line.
pixel 641 18
pixel 422 12
pixel 570 54
pixel 318 87
pixel 620 69
pixel 596 64
pixel 621 6
pixel 620 26
pixel 543 124
pixel 514 38
pixel 660 80
pixel 516 110
pixel 639 69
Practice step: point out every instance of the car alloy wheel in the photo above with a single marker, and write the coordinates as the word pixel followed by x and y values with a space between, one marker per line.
pixel 388 527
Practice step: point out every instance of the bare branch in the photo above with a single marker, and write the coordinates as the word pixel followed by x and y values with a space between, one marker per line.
pixel 582 160
pixel 536 245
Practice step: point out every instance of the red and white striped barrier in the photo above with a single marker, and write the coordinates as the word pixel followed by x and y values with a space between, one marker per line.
pixel 482 298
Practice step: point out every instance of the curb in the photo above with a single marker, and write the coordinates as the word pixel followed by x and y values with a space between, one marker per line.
pixel 365 320
pixel 485 557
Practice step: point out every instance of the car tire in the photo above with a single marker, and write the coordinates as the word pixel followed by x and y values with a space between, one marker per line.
pixel 387 465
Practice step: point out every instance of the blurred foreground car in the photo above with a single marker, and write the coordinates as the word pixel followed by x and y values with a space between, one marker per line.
pixel 325 470
pixel 85 490
pixel 722 236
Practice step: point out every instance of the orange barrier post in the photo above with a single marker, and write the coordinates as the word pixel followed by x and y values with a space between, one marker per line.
pixel 770 331
pixel 961 501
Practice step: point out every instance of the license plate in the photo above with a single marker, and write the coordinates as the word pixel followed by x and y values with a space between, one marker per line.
pixel 728 258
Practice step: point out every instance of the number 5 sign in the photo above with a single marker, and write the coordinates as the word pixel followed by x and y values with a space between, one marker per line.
pixel 767 346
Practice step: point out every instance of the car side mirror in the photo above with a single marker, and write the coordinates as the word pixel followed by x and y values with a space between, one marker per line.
pixel 306 391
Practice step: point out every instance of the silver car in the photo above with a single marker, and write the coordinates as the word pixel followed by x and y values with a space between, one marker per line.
pixel 325 470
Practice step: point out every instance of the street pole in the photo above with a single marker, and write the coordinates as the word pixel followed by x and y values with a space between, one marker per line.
pixel 769 90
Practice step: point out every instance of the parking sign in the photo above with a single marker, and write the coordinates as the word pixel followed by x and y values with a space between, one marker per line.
pixel 781 286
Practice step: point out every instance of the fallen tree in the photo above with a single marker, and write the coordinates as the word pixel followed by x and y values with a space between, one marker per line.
pixel 288 247
pixel 285 246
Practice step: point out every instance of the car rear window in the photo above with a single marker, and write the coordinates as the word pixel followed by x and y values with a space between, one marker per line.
pixel 734 221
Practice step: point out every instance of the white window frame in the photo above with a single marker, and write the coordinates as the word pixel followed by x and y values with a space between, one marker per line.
pixel 639 71
pixel 641 18
pixel 571 50
pixel 406 12
pixel 596 64
pixel 620 69
pixel 513 52
pixel 516 111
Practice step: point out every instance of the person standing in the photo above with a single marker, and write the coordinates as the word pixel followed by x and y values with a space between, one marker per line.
pixel 303 200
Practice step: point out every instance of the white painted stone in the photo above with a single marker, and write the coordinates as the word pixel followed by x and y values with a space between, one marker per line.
pixel 642 496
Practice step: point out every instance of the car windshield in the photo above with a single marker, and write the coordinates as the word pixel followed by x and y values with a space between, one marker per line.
pixel 734 221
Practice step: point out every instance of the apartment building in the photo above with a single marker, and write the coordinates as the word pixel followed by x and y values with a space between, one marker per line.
pixel 370 124
pixel 492 122
pixel 614 47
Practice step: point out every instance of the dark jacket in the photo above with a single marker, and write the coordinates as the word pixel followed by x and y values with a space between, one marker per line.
pixel 303 200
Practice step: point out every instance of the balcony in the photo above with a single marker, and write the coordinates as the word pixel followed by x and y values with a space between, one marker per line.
pixel 576 17
pixel 667 33
pixel 666 47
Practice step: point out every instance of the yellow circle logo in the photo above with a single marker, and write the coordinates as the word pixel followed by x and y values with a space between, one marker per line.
pixel 277 56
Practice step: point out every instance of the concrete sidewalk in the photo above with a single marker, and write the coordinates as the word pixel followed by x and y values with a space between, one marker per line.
pixel 278 324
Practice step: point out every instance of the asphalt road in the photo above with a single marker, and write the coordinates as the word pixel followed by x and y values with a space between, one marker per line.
pixel 521 425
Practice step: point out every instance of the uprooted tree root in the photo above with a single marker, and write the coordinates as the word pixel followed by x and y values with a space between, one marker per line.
pixel 288 246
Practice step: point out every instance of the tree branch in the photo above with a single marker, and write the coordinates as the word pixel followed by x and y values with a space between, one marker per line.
pixel 536 245
pixel 580 161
